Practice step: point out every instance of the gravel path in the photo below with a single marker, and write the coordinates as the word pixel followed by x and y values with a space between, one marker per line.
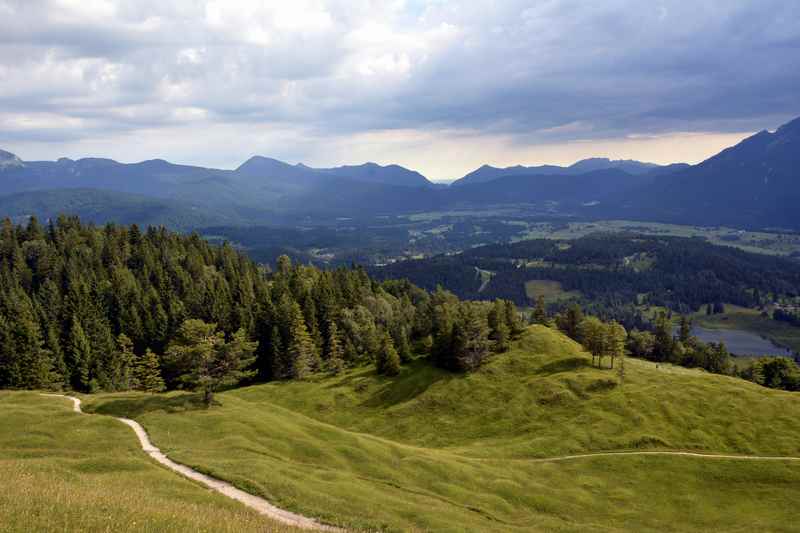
pixel 286 517
pixel 254 502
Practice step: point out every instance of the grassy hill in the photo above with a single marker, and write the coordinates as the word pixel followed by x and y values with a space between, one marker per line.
pixel 435 451
pixel 63 471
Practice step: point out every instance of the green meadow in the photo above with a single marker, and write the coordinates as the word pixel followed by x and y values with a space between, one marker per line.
pixel 64 471
pixel 432 451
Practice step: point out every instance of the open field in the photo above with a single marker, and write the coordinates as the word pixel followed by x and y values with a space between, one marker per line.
pixel 430 450
pixel 63 471
pixel 550 290
pixel 749 241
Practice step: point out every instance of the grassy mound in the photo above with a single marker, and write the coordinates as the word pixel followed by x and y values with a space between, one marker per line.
pixel 63 471
pixel 430 450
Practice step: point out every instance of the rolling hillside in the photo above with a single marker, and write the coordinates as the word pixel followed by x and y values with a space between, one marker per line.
pixel 429 450
pixel 72 472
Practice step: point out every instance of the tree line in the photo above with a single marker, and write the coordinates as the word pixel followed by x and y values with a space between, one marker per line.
pixel 115 308
pixel 660 344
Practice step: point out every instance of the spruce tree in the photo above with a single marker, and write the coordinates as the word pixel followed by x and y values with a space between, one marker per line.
pixel 334 352
pixel 539 315
pixel 470 339
pixel 388 361
pixel 79 354
pixel 617 339
pixel 513 320
pixel 499 330
pixel 147 373
pixel 301 350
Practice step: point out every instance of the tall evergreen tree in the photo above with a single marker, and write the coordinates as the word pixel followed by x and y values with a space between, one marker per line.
pixel 334 351
pixel 147 373
pixel 79 354
pixel 388 361
pixel 539 315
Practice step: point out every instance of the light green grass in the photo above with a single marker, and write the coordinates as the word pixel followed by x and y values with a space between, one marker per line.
pixel 749 241
pixel 63 471
pixel 552 291
pixel 434 451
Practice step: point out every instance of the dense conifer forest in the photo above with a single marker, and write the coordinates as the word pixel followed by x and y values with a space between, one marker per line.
pixel 612 270
pixel 114 308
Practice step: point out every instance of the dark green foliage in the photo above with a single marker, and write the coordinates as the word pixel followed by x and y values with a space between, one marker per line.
pixel 81 306
pixel 147 373
pixel 680 273
pixel 207 360
pixel 539 315
pixel 388 361
pixel 470 339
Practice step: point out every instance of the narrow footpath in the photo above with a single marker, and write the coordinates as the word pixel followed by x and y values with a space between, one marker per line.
pixel 258 503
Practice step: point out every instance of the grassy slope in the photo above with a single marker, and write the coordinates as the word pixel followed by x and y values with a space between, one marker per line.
pixel 433 451
pixel 63 471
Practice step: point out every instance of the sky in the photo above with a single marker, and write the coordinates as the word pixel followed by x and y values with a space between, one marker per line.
pixel 439 86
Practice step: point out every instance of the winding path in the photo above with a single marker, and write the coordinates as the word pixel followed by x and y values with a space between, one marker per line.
pixel 286 517
pixel 257 503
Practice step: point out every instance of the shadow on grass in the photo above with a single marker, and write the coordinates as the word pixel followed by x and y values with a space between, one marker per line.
pixel 133 407
pixel 569 364
pixel 414 379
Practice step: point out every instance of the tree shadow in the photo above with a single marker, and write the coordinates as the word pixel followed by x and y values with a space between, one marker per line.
pixel 412 382
pixel 134 407
pixel 569 364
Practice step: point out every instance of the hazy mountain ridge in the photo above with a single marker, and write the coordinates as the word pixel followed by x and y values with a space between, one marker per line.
pixel 753 184
pixel 488 173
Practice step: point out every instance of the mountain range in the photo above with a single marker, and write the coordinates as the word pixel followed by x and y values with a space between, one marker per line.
pixel 752 184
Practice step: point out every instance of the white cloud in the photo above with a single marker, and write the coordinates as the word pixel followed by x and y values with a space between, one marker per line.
pixel 433 83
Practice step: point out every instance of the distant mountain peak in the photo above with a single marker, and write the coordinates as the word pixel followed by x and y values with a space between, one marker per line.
pixel 790 128
pixel 9 160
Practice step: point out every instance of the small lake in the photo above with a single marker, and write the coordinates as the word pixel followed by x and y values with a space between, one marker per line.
pixel 740 342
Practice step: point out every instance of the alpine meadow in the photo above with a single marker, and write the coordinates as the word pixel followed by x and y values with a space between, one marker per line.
pixel 429 266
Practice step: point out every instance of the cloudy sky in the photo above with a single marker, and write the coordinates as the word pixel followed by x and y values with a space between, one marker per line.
pixel 441 86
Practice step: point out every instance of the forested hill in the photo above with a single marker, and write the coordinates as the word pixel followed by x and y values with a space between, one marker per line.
pixel 115 308
pixel 680 273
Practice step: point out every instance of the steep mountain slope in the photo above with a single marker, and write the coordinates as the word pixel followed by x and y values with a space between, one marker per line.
pixel 564 189
pixel 101 206
pixel 488 173
pixel 753 184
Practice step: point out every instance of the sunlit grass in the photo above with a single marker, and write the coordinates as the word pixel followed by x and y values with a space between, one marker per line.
pixel 63 471
pixel 429 450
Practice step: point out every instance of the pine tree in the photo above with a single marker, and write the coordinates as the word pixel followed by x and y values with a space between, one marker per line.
pixel 388 361
pixel 592 333
pixel 617 338
pixel 569 321
pixel 301 352
pixel 79 354
pixel 539 315
pixel 470 339
pixel 685 330
pixel 513 320
pixel 403 345
pixel 147 373
pixel 499 330
pixel 662 351
pixel 122 364
pixel 209 361
pixel 334 352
